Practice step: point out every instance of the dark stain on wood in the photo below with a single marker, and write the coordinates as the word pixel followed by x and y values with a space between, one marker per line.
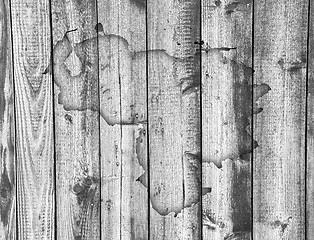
pixel 293 66
pixel 87 195
pixel 194 85
pixel 99 27
pixel 238 235
pixel 141 153
pixel 231 7
pixel 5 196
pixel 234 6
pixel 241 204
pixel 218 3
pixel 68 118
pixel 206 190
pixel 139 3
pixel 243 109
pixel 85 190
pixel 280 225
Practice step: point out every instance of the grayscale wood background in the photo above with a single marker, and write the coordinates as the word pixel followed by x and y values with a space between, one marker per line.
pixel 156 119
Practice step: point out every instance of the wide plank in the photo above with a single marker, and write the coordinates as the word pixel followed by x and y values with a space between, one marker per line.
pixel 122 74
pixel 226 118
pixel 173 38
pixel 280 55
pixel 7 129
pixel 76 122
pixel 34 119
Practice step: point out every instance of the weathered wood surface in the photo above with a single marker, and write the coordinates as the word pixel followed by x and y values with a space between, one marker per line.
pixel 280 50
pixel 226 118
pixel 76 100
pixel 7 129
pixel 160 126
pixel 34 119
pixel 310 129
pixel 122 74
pixel 174 119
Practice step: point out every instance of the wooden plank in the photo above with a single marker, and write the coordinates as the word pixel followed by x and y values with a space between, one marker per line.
pixel 7 129
pixel 280 50
pixel 226 118
pixel 310 129
pixel 34 119
pixel 174 119
pixel 75 75
pixel 122 45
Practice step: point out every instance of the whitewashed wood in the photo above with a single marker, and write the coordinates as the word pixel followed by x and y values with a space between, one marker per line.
pixel 7 129
pixel 122 45
pixel 280 49
pixel 173 119
pixel 75 74
pixel 226 114
pixel 34 119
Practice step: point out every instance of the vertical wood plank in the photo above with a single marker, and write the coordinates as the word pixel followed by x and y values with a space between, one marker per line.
pixel 310 129
pixel 75 75
pixel 122 65
pixel 7 129
pixel 226 117
pixel 280 37
pixel 34 119
pixel 174 118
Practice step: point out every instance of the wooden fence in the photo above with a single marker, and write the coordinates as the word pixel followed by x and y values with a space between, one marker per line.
pixel 156 119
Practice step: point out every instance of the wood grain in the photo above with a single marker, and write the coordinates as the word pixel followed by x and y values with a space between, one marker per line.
pixel 280 50
pixel 122 45
pixel 75 75
pixel 310 129
pixel 7 129
pixel 174 119
pixel 34 119
pixel 226 117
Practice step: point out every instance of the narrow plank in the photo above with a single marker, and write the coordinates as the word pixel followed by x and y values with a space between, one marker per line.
pixel 174 118
pixel 34 119
pixel 226 118
pixel 310 129
pixel 280 50
pixel 122 45
pixel 76 98
pixel 7 129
